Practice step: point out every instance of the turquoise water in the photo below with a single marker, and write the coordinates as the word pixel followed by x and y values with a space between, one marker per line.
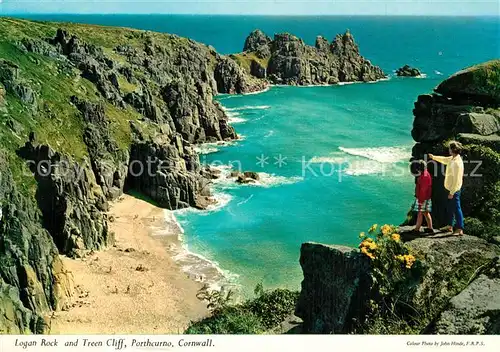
pixel 344 148
pixel 345 151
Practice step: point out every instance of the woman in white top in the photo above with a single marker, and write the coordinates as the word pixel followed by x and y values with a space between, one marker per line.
pixel 453 183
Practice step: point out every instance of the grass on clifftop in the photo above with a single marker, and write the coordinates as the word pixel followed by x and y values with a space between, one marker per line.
pixel 245 60
pixel 488 76
pixel 55 121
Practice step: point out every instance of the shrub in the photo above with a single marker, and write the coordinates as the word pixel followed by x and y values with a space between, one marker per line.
pixel 482 229
pixel 272 307
pixel 216 300
pixel 229 320
pixel 265 312
pixel 392 261
pixel 395 272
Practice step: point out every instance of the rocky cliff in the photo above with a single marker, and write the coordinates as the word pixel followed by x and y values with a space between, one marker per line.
pixel 338 292
pixel 89 112
pixel 286 59
pixel 465 107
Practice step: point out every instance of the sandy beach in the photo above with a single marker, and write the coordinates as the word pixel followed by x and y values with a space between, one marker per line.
pixel 134 287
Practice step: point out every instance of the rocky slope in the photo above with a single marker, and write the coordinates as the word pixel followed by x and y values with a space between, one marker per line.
pixel 455 288
pixel 286 59
pixel 87 113
pixel 465 107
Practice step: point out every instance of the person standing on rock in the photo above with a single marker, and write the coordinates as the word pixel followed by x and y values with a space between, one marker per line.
pixel 453 183
pixel 423 195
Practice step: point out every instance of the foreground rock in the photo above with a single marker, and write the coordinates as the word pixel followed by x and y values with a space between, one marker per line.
pixel 474 310
pixel 335 290
pixel 407 71
pixel 288 60
pixel 339 288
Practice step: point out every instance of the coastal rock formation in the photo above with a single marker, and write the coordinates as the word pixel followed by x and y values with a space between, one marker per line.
pixel 258 42
pixel 476 85
pixel 288 60
pixel 336 288
pixel 68 198
pixel 85 109
pixel 109 163
pixel 465 107
pixel 33 280
pixel 407 71
pixel 450 263
pixel 13 83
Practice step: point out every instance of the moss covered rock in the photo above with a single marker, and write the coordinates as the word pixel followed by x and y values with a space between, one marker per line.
pixel 479 84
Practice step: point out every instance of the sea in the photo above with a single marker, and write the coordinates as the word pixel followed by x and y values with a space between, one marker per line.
pixel 332 160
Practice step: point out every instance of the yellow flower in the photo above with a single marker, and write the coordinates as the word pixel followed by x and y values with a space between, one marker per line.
pixel 362 235
pixel 364 250
pixel 400 258
pixel 373 228
pixel 386 229
pixel 409 260
pixel 367 242
pixel 372 246
pixel 396 237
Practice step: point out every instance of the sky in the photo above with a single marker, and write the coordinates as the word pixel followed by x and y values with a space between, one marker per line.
pixel 260 7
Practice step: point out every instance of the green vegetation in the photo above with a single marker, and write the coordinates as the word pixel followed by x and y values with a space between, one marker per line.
pixel 265 312
pixel 484 217
pixel 487 76
pixel 245 60
pixel 395 271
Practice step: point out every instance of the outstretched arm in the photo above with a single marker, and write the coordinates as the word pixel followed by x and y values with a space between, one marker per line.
pixel 441 159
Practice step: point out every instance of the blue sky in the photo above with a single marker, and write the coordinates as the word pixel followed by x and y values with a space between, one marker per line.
pixel 268 7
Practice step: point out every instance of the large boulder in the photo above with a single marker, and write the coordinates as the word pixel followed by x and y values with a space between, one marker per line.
pixel 336 288
pixel 478 84
pixel 491 141
pixel 450 263
pixel 482 124
pixel 407 71
pixel 475 310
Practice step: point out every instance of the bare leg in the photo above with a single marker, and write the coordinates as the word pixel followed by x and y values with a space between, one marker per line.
pixel 420 219
pixel 428 218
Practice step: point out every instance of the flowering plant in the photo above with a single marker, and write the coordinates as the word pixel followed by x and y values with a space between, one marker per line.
pixel 392 260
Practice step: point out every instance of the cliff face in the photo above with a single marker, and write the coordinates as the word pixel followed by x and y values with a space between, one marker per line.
pixel 465 107
pixel 33 280
pixel 288 60
pixel 88 112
